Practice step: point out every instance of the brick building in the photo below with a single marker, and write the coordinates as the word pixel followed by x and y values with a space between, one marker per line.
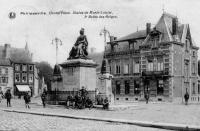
pixel 161 60
pixel 20 72
pixel 6 75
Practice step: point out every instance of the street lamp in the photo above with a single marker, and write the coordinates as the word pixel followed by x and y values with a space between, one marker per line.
pixel 104 32
pixel 57 42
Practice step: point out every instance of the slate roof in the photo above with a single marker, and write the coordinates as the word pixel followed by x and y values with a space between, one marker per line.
pixel 135 35
pixel 162 21
pixel 5 62
pixel 20 55
pixel 17 55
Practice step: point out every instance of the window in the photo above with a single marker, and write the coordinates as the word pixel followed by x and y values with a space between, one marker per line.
pixel 30 67
pixel 193 88
pixel 24 77
pixel 30 78
pixel 127 87
pixel 126 69
pixel 198 88
pixel 109 67
pixel 4 80
pixel 117 69
pixel 3 71
pixel 160 89
pixel 24 68
pixel 131 45
pixel 193 68
pixel 186 68
pixel 6 70
pixel 160 64
pixel 118 87
pixel 17 67
pixel 136 87
pixel 136 67
pixel 17 77
pixel 193 53
pixel 150 65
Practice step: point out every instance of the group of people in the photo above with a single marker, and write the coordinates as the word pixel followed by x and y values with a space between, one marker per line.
pixel 27 98
pixel 80 100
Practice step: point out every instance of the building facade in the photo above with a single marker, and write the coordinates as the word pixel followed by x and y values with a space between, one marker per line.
pixel 6 75
pixel 19 71
pixel 161 61
pixel 23 76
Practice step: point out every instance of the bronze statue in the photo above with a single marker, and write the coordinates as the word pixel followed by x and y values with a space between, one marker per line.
pixel 79 50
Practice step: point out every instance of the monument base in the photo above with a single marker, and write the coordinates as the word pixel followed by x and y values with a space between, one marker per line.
pixel 77 73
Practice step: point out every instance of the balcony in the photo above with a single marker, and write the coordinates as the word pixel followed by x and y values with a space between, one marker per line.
pixel 155 73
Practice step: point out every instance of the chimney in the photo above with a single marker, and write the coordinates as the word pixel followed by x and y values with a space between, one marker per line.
pixel 7 51
pixel 148 28
pixel 174 26
pixel 112 38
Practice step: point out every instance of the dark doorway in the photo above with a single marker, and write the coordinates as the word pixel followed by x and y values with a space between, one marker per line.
pixel 118 87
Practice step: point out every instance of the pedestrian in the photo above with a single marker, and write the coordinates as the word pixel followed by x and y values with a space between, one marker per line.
pixel 27 99
pixel 8 98
pixel 88 103
pixel 147 97
pixel 186 96
pixel 105 103
pixel 1 95
pixel 43 97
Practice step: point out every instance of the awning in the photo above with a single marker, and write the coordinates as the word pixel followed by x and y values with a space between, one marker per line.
pixel 23 88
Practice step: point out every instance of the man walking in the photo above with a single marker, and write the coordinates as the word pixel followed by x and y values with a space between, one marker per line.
pixel 8 98
pixel 186 97
pixel 43 97
pixel 27 99
pixel 146 97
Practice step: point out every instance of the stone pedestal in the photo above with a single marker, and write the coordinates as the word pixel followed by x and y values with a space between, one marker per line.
pixel 105 86
pixel 77 73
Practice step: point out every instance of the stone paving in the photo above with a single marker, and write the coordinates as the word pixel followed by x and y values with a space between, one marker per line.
pixel 161 112
pixel 24 122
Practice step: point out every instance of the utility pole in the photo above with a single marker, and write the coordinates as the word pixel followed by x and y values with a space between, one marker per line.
pixel 57 42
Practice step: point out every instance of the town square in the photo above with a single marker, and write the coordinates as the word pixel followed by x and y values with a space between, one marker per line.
pixel 91 65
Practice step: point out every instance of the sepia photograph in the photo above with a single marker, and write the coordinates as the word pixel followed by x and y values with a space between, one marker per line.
pixel 93 65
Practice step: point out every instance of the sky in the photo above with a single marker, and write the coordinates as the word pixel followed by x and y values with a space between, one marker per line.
pixel 130 15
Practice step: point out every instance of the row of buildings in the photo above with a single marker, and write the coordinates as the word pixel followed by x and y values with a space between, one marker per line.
pixel 161 60
pixel 18 73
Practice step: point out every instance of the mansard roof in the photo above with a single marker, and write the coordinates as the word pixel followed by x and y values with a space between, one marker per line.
pixel 164 25
pixel 135 35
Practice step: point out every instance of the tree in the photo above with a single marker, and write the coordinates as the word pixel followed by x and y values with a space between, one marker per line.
pixel 46 71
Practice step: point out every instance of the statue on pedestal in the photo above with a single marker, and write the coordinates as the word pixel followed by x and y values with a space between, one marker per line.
pixel 79 50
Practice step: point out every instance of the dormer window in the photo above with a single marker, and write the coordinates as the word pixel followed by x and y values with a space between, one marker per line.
pixel 131 45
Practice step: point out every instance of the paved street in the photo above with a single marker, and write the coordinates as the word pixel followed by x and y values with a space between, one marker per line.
pixel 169 113
pixel 26 122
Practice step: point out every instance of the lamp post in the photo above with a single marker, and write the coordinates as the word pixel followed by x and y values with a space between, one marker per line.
pixel 104 32
pixel 57 42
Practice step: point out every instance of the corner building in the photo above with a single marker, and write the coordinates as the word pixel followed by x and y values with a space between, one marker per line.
pixel 161 60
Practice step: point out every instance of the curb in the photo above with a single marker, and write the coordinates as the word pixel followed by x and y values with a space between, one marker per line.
pixel 169 126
